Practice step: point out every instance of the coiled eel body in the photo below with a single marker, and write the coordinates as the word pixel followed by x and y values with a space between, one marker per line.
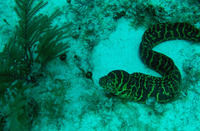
pixel 138 86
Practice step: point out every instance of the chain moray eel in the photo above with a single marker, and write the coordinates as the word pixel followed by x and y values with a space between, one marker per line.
pixel 139 87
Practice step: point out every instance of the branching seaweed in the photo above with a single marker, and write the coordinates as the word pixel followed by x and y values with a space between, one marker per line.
pixel 49 46
pixel 35 42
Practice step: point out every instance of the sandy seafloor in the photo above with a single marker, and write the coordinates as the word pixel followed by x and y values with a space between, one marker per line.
pixel 91 108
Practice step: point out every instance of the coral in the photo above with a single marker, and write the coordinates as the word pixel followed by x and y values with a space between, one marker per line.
pixel 82 6
pixel 191 67
pixel 191 81
pixel 146 13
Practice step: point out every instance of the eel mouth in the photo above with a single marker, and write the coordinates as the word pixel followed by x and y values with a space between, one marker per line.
pixel 102 81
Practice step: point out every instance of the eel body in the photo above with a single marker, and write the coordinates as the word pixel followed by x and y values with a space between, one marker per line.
pixel 138 86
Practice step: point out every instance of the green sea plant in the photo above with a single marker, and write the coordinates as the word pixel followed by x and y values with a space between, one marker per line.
pixel 34 43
